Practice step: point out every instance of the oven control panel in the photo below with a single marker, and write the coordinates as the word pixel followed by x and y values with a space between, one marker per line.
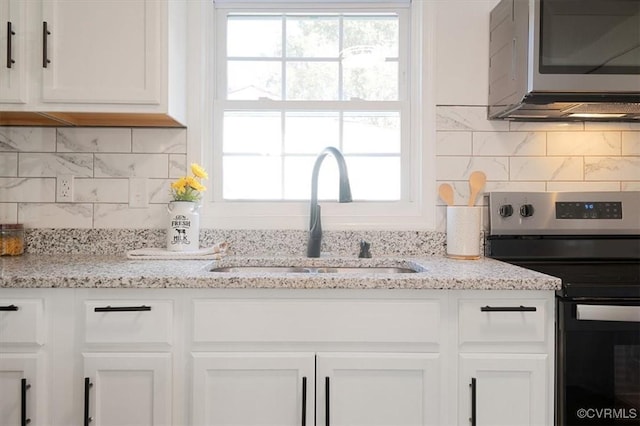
pixel 588 210
pixel 568 213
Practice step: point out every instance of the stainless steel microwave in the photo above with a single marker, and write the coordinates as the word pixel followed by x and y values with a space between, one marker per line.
pixel 565 60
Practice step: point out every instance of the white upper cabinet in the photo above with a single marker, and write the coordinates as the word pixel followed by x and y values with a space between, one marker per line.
pixel 103 51
pixel 95 62
pixel 13 63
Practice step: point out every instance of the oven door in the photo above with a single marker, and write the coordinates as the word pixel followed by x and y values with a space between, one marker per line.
pixel 598 362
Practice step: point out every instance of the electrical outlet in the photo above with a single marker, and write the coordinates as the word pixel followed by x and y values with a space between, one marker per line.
pixel 64 189
pixel 138 196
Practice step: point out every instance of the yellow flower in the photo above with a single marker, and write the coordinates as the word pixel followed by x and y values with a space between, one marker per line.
pixel 194 184
pixel 189 188
pixel 180 185
pixel 198 171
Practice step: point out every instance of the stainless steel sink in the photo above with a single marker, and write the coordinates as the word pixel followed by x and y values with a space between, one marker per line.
pixel 316 270
pixel 262 269
pixel 362 269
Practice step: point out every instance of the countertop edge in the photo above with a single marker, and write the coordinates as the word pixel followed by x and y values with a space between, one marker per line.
pixel 116 272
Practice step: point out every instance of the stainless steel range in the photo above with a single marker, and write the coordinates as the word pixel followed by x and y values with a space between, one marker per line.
pixel 591 240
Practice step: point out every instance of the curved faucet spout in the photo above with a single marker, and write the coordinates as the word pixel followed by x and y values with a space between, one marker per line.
pixel 315 223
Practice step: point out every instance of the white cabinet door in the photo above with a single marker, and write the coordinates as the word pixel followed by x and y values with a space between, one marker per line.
pixel 378 389
pixel 13 58
pixel 253 389
pixel 506 390
pixel 103 51
pixel 128 388
pixel 21 389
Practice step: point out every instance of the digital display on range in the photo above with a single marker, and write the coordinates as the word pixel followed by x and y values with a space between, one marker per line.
pixel 588 210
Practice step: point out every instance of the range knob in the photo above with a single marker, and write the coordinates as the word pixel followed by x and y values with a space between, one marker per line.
pixel 505 210
pixel 526 210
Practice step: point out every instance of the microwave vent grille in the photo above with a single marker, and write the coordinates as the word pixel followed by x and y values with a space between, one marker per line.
pixel 606 108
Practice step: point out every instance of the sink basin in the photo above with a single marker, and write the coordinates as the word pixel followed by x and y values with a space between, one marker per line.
pixel 261 269
pixel 362 269
pixel 316 270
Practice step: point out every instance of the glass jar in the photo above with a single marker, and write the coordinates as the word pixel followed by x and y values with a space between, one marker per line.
pixel 11 239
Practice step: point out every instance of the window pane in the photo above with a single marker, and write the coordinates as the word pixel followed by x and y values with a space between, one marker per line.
pixel 252 132
pixel 374 178
pixel 380 32
pixel 310 132
pixel 372 133
pixel 269 148
pixel 254 36
pixel 375 82
pixel 251 178
pixel 254 80
pixel 297 178
pixel 312 37
pixel 312 81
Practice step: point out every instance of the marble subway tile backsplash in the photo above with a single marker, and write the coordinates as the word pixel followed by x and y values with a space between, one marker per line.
pixel 535 156
pixel 516 156
pixel 102 161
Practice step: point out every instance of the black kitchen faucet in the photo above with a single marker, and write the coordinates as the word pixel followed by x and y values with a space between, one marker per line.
pixel 315 224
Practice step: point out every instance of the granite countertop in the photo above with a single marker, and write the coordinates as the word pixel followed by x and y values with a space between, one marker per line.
pixel 95 271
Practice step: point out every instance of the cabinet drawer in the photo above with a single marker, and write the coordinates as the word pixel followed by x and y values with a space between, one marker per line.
pixel 21 321
pixel 318 320
pixel 128 321
pixel 502 321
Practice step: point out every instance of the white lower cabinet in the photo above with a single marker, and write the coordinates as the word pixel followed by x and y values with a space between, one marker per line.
pixel 21 388
pixel 503 390
pixel 377 389
pixel 349 389
pixel 127 389
pixel 23 367
pixel 243 357
pixel 253 389
pixel 505 358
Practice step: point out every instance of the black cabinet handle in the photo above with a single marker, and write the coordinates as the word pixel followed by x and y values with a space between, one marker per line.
pixel 10 34
pixel 327 403
pixel 24 421
pixel 45 53
pixel 304 401
pixel 122 308
pixel 472 385
pixel 9 308
pixel 508 309
pixel 87 387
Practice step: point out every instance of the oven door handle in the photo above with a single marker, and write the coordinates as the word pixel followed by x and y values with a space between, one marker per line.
pixel 608 313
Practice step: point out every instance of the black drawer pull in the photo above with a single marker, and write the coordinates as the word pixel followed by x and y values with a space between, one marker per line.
pixel 24 421
pixel 87 387
pixel 9 308
pixel 122 308
pixel 10 34
pixel 473 387
pixel 45 53
pixel 327 402
pixel 304 401
pixel 508 309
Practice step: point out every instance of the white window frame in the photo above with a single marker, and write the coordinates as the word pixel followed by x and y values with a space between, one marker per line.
pixel 415 212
